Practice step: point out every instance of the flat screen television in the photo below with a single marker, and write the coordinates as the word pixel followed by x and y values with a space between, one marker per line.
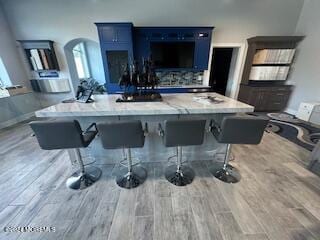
pixel 172 54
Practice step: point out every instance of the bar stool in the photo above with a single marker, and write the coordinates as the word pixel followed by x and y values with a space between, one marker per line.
pixel 68 135
pixel 179 133
pixel 237 129
pixel 125 135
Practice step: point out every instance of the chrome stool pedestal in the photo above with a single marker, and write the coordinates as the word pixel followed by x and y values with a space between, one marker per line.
pixel 131 177
pixel 178 133
pixel 227 173
pixel 125 135
pixel 67 134
pixel 179 174
pixel 235 129
pixel 84 177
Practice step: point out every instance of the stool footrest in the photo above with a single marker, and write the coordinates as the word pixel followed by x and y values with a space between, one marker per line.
pixel 124 163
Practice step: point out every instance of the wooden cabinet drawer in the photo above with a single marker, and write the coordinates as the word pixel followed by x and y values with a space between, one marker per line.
pixel 282 88
pixel 273 98
pixel 279 97
pixel 276 106
pixel 275 89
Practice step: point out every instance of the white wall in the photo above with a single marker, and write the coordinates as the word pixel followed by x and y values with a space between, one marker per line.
pixel 64 20
pixel 306 72
pixel 95 61
pixel 10 55
pixel 15 108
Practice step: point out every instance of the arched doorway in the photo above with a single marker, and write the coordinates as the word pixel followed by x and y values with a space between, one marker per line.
pixel 84 61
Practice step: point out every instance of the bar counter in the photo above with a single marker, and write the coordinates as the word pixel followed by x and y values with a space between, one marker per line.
pixel 173 106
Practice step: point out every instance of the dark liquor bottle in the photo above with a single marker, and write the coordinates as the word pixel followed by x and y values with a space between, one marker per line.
pixel 135 74
pixel 125 80
pixel 153 79
pixel 144 75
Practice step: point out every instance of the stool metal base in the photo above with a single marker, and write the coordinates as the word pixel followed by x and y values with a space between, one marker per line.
pixel 80 181
pixel 179 178
pixel 227 175
pixel 131 180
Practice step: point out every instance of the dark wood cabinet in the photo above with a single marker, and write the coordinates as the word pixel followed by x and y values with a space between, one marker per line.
pixel 266 98
pixel 266 68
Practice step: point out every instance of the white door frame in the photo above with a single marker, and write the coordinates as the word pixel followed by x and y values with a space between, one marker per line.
pixel 238 67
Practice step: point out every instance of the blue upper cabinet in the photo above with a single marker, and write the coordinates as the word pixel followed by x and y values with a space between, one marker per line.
pixel 115 33
pixel 116 50
pixel 107 34
pixel 202 48
pixel 200 36
pixel 121 44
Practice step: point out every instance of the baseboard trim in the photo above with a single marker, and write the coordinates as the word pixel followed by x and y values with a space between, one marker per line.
pixel 291 111
pixel 16 120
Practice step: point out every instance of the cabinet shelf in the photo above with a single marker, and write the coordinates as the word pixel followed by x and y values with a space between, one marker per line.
pixel 40 55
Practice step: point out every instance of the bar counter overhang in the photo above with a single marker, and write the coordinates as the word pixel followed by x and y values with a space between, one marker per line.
pixel 174 106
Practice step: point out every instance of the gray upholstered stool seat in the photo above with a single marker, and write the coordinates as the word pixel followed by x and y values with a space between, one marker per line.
pixel 237 129
pixel 68 135
pixel 125 135
pixel 178 133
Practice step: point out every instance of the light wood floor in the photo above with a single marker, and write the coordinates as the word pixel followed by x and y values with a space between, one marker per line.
pixel 277 198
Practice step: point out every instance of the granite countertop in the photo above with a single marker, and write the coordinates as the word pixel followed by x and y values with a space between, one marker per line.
pixel 180 103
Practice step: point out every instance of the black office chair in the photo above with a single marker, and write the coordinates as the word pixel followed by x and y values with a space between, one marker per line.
pixel 69 135
pixel 125 135
pixel 179 133
pixel 237 129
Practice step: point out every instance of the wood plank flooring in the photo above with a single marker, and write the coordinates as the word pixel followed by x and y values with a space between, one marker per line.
pixel 276 199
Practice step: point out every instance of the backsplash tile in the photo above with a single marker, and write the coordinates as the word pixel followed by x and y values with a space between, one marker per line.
pixel 180 78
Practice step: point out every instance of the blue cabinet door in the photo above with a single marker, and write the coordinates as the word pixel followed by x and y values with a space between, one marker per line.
pixel 201 57
pixel 123 34
pixel 111 34
pixel 141 46
pixel 202 49
pixel 116 57
pixel 108 34
pixel 156 36
pixel 187 35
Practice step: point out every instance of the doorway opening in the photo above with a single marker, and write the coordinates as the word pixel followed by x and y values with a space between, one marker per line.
pixel 221 65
